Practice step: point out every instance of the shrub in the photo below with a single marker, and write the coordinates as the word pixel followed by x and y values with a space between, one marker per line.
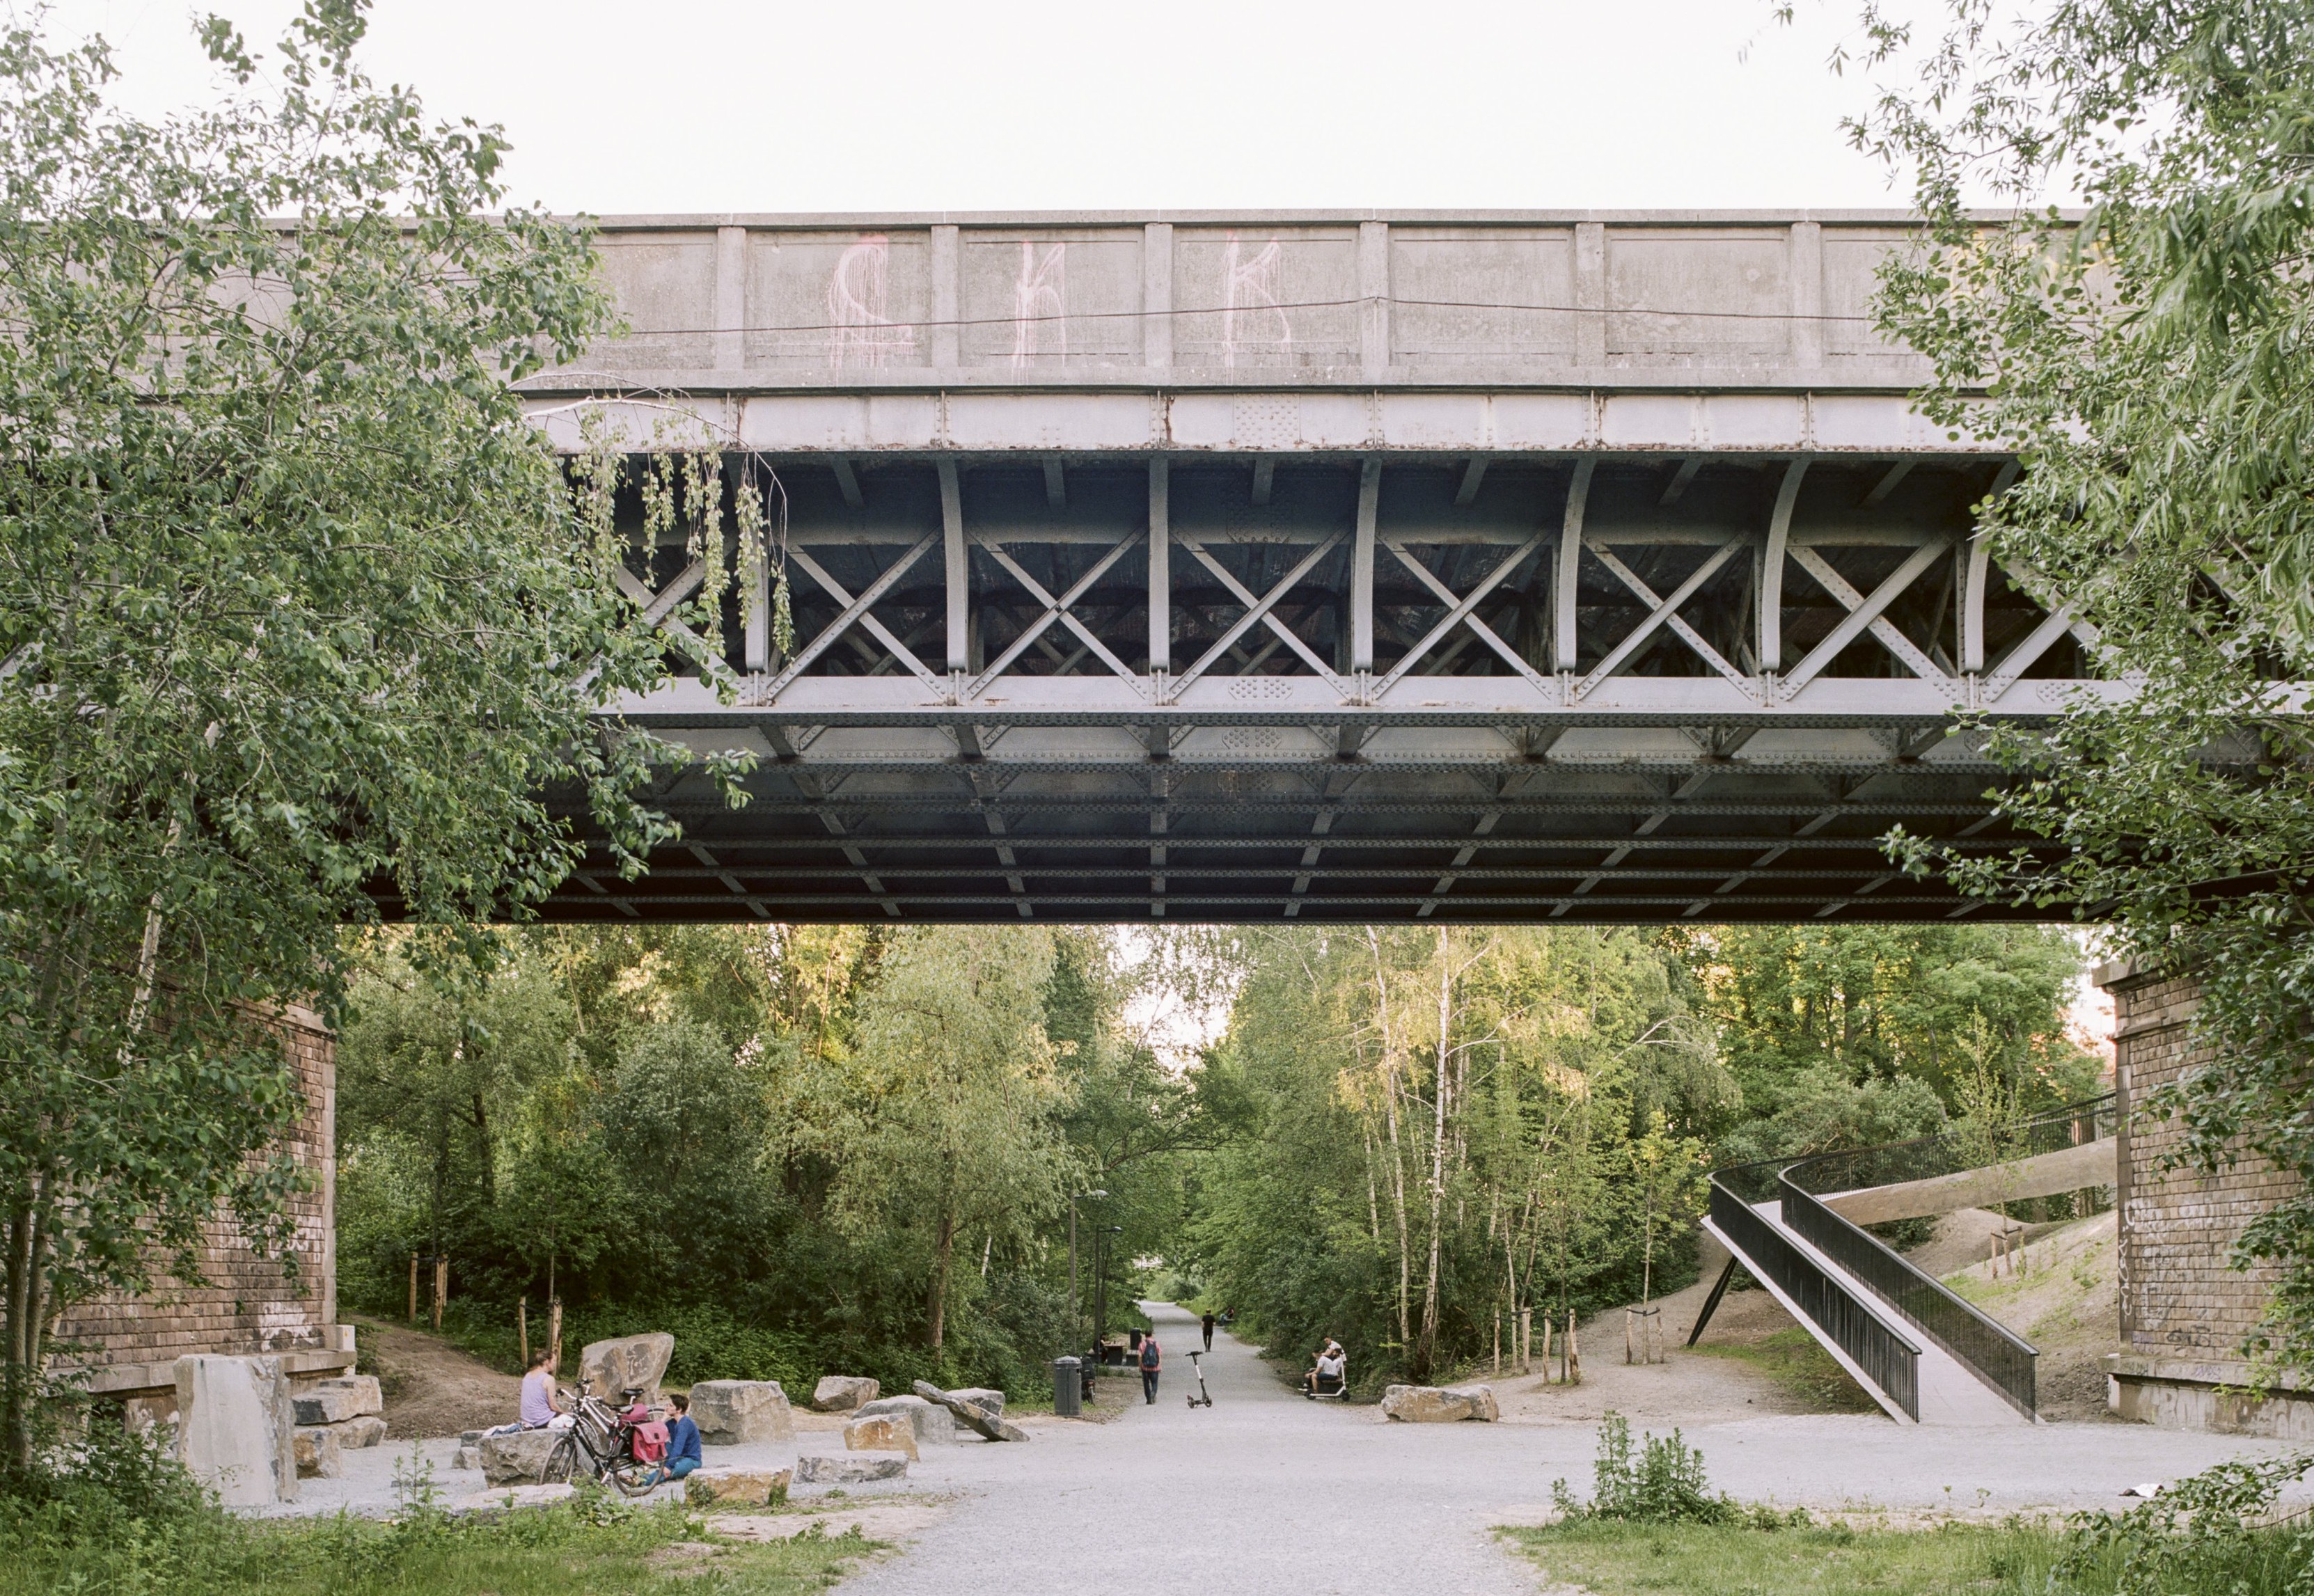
pixel 2210 1532
pixel 1664 1485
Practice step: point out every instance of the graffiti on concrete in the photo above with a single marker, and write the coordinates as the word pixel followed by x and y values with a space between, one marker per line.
pixel 1040 304
pixel 1252 294
pixel 859 331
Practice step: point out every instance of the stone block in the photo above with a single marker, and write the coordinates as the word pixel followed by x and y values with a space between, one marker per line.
pixel 929 1422
pixel 607 1368
pixel 990 1402
pixel 466 1457
pixel 734 1412
pixel 364 1432
pixel 737 1487
pixel 511 1498
pixel 317 1452
pixel 517 1458
pixel 332 1401
pixel 841 1393
pixel 1439 1405
pixel 236 1428
pixel 883 1433
pixel 858 1468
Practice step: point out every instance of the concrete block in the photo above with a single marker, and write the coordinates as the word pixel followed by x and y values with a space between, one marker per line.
pixel 734 1412
pixel 236 1428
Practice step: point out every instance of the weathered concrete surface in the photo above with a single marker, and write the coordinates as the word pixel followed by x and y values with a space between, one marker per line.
pixel 518 1458
pixel 735 1412
pixel 841 1393
pixel 932 1423
pixel 236 1428
pixel 333 1401
pixel 881 1433
pixel 606 1367
pixel 857 1468
pixel 753 1487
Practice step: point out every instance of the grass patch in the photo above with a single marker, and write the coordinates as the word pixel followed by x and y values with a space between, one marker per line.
pixel 1624 1559
pixel 1795 1361
pixel 69 1548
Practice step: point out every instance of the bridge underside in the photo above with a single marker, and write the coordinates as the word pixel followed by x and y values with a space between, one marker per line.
pixel 1523 688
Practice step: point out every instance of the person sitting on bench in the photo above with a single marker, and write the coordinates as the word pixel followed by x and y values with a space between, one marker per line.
pixel 1326 1379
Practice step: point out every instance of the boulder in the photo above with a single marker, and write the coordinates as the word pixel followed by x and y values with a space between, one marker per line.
pixel 858 1468
pixel 516 1458
pixel 929 1422
pixel 366 1430
pixel 990 1402
pixel 882 1432
pixel 331 1401
pixel 841 1393
pixel 511 1497
pixel 734 1412
pixel 606 1367
pixel 466 1457
pixel 1439 1405
pixel 316 1449
pixel 235 1429
pixel 746 1487
pixel 987 1425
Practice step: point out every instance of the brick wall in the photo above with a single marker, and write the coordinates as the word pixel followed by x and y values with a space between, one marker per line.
pixel 250 1305
pixel 2178 1296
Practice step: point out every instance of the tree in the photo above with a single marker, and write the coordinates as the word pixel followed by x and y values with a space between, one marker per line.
pixel 2147 363
pixel 294 604
pixel 955 1136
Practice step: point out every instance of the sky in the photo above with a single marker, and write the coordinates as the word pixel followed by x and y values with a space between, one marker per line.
pixel 718 106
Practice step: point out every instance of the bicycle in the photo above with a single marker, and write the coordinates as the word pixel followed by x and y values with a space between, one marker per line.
pixel 601 1439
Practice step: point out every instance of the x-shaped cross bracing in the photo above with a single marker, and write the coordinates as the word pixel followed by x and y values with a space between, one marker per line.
pixel 1461 609
pixel 1662 613
pixel 855 613
pixel 1055 609
pixel 1259 612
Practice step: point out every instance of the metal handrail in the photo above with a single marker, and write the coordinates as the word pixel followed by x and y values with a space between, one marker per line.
pixel 2003 1360
pixel 1884 1355
pixel 1984 1346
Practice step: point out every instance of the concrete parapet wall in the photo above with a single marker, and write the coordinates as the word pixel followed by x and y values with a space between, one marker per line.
pixel 2045 1174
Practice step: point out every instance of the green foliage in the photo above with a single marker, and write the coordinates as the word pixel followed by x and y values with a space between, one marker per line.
pixel 1423 1130
pixel 294 606
pixel 1616 1558
pixel 1665 1483
pixel 2209 1531
pixel 2147 364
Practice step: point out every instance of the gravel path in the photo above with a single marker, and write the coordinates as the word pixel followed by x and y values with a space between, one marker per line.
pixel 1265 1492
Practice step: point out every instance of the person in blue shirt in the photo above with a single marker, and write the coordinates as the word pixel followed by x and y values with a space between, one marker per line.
pixel 682 1441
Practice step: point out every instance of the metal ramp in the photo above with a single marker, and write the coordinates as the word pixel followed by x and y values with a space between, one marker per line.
pixel 1926 1355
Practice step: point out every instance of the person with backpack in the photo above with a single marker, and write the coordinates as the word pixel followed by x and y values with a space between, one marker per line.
pixel 1149 1366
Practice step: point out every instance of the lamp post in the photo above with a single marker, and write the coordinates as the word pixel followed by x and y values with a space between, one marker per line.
pixel 1074 1201
pixel 1101 1280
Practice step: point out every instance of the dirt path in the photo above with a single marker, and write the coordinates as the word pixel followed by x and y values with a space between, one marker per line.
pixel 432 1389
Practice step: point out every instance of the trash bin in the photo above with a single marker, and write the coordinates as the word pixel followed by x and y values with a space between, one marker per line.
pixel 1065 1388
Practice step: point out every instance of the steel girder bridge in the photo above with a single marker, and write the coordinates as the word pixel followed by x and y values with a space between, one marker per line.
pixel 1310 568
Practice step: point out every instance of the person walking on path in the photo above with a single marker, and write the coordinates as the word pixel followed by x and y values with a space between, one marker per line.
pixel 1149 1366
pixel 1209 1332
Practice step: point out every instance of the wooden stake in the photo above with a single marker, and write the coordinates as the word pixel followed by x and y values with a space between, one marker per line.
pixel 1526 1341
pixel 1498 1341
pixel 441 1289
pixel 1574 1353
pixel 1627 1336
pixel 554 1327
pixel 413 1288
pixel 522 1328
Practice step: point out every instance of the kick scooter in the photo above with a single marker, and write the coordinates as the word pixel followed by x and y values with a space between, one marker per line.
pixel 1203 1398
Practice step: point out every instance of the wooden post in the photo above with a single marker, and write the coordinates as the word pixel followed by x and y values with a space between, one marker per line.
pixel 1526 1340
pixel 1498 1341
pixel 413 1288
pixel 1574 1353
pixel 441 1289
pixel 1546 1348
pixel 1627 1334
pixel 522 1328
pixel 554 1327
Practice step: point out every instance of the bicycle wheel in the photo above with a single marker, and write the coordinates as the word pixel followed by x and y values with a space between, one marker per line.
pixel 632 1478
pixel 561 1461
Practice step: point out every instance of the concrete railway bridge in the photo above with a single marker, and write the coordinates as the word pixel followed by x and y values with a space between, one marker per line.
pixel 1497 567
